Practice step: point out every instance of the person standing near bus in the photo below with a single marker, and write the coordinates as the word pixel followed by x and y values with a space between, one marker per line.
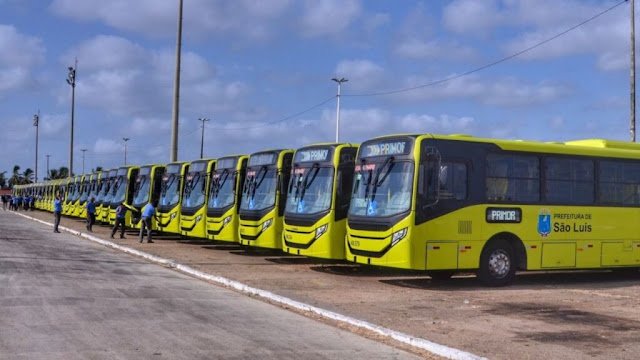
pixel 4 202
pixel 121 213
pixel 91 213
pixel 148 211
pixel 57 213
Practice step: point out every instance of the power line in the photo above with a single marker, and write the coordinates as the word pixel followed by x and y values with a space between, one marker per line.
pixel 289 117
pixel 494 63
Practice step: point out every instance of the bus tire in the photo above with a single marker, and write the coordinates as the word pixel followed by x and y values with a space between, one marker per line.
pixel 497 264
pixel 440 275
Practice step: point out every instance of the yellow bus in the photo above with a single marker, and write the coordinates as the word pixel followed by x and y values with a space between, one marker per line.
pixel 318 200
pixel 80 209
pixel 263 198
pixel 225 194
pixel 147 189
pixel 73 194
pixel 457 203
pixel 193 212
pixel 168 210
pixel 123 191
pixel 107 179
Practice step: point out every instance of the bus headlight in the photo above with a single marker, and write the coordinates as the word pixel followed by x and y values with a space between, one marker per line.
pixel 198 218
pixel 266 224
pixel 398 235
pixel 321 230
pixel 173 215
pixel 226 221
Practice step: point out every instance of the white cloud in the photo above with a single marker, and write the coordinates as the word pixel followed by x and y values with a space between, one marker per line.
pixel 127 80
pixel 472 16
pixel 504 92
pixel 201 18
pixel 19 56
pixel 414 48
pixel 362 74
pixel 107 146
pixel 606 38
pixel 329 17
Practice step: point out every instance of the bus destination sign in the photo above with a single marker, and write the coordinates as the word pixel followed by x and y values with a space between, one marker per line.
pixel 386 148
pixel 262 159
pixel 309 155
pixel 504 215
pixel 199 166
pixel 226 163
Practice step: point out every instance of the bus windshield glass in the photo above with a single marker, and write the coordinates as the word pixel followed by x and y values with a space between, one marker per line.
pixel 259 191
pixel 93 189
pixel 310 190
pixel 195 190
pixel 222 193
pixel 120 190
pixel 85 192
pixel 141 194
pixel 170 194
pixel 382 188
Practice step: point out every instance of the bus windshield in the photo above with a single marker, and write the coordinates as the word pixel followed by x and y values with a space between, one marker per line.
pixel 103 191
pixel 310 190
pixel 259 191
pixel 119 190
pixel 93 189
pixel 170 194
pixel 222 193
pixel 73 190
pixel 195 190
pixel 382 188
pixel 141 193
pixel 85 192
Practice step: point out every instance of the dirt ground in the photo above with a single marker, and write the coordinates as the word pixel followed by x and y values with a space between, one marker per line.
pixel 554 315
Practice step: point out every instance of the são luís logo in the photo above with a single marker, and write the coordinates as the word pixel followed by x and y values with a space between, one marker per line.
pixel 544 222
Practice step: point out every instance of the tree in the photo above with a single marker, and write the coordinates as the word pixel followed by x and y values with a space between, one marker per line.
pixel 3 180
pixel 61 173
pixel 16 177
pixel 27 176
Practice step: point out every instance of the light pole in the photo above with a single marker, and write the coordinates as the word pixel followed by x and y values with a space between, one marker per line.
pixel 202 139
pixel 71 80
pixel 36 122
pixel 48 175
pixel 125 148
pixel 339 81
pixel 83 151
pixel 633 72
pixel 176 91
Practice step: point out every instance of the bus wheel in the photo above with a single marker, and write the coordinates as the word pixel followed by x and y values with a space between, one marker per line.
pixel 497 264
pixel 441 275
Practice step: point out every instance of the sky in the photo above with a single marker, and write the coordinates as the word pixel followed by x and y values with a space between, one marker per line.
pixel 261 72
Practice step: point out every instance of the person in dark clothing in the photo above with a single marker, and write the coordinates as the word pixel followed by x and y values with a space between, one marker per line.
pixel 4 202
pixel 148 211
pixel 121 213
pixel 57 213
pixel 91 213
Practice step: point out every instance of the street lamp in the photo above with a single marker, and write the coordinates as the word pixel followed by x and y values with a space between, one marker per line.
pixel 83 151
pixel 339 81
pixel 125 148
pixel 202 139
pixel 176 91
pixel 71 80
pixel 36 122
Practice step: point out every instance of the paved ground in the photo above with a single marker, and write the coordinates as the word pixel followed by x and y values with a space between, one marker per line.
pixel 65 298
pixel 569 315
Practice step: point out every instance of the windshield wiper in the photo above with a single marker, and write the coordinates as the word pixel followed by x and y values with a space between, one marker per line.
pixel 256 184
pixel 306 184
pixel 378 182
pixel 167 184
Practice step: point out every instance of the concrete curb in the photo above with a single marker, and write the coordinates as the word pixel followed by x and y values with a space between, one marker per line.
pixel 438 349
